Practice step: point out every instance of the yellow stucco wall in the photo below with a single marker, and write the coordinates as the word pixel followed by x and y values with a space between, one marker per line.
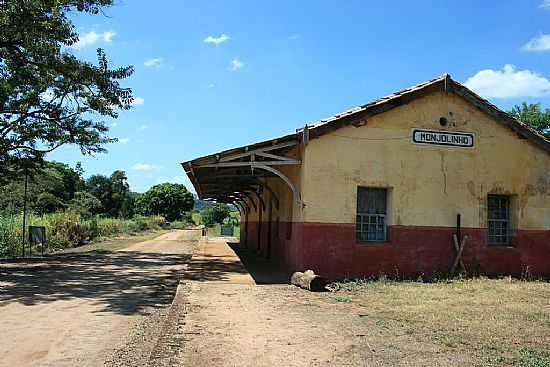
pixel 428 185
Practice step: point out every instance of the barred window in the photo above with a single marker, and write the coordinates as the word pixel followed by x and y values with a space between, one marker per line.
pixel 371 214
pixel 498 220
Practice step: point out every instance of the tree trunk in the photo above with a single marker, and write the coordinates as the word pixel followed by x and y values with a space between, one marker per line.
pixel 308 280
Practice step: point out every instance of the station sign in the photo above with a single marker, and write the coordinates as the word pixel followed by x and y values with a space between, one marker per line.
pixel 442 138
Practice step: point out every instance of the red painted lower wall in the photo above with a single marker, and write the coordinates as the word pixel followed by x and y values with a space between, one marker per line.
pixel 332 251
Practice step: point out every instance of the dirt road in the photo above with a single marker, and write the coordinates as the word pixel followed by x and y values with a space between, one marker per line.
pixel 76 310
pixel 232 321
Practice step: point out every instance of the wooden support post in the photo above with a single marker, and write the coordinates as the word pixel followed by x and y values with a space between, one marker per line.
pixel 269 224
pixel 459 248
pixel 246 229
pixel 259 227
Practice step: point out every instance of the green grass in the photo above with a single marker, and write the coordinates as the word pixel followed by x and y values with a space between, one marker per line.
pixel 215 231
pixel 539 315
pixel 345 299
pixel 530 357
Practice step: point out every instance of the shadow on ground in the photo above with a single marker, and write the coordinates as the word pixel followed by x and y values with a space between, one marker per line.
pixel 262 270
pixel 213 268
pixel 125 282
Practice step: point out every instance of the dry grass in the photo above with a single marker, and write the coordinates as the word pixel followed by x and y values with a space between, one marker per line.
pixel 502 322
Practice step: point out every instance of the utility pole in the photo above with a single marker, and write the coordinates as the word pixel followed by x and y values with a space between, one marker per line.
pixel 25 208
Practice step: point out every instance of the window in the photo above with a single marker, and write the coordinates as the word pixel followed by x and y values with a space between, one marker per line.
pixel 498 220
pixel 371 214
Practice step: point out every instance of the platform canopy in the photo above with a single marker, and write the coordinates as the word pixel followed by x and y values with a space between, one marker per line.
pixel 239 176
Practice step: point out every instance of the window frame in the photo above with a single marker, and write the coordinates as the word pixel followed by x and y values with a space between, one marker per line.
pixel 503 217
pixel 371 218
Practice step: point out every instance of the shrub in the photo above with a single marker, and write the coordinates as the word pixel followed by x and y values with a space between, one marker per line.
pixel 70 229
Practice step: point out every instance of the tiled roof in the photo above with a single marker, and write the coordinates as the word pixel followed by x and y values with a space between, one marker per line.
pixel 380 105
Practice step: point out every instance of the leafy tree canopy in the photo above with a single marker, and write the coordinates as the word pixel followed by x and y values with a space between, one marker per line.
pixel 48 97
pixel 215 214
pixel 113 192
pixel 50 187
pixel 533 116
pixel 168 199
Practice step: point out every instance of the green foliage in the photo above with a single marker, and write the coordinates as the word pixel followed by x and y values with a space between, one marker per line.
pixel 114 194
pixel 169 200
pixel 530 357
pixel 69 229
pixel 533 116
pixel 85 204
pixel 50 187
pixel 47 202
pixel 48 97
pixel 216 213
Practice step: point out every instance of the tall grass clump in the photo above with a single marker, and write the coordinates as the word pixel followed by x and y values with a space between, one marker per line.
pixel 10 236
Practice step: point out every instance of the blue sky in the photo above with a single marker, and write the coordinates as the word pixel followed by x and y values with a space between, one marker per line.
pixel 212 75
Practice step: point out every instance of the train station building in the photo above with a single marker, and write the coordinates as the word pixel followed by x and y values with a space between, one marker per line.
pixel 405 185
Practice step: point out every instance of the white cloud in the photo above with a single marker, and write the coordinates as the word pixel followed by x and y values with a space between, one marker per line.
pixel 216 40
pixel 508 83
pixel 155 62
pixel 236 64
pixel 144 126
pixel 108 36
pixel 138 101
pixel 143 167
pixel 545 4
pixel 537 44
pixel 294 37
pixel 92 37
pixel 114 124
pixel 123 140
pixel 211 85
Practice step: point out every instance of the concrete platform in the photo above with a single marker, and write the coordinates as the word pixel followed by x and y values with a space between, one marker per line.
pixel 215 261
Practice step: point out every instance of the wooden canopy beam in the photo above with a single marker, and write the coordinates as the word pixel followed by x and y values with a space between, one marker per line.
pixel 248 153
pixel 291 185
pixel 274 196
pixel 252 164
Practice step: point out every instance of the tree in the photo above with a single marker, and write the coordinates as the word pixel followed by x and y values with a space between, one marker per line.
pixel 100 187
pixel 85 204
pixel 50 187
pixel 120 195
pixel 168 199
pixel 48 97
pixel 215 214
pixel 533 116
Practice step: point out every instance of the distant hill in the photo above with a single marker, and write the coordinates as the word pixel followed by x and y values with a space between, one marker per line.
pixel 200 204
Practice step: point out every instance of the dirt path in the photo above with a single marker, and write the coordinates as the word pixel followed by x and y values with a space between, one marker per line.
pixel 231 321
pixel 75 310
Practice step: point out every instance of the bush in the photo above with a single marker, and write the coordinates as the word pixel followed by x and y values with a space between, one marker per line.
pixel 70 229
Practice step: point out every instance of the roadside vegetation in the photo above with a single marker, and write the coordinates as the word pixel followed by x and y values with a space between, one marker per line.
pixel 75 210
pixel 68 229
pixel 216 216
